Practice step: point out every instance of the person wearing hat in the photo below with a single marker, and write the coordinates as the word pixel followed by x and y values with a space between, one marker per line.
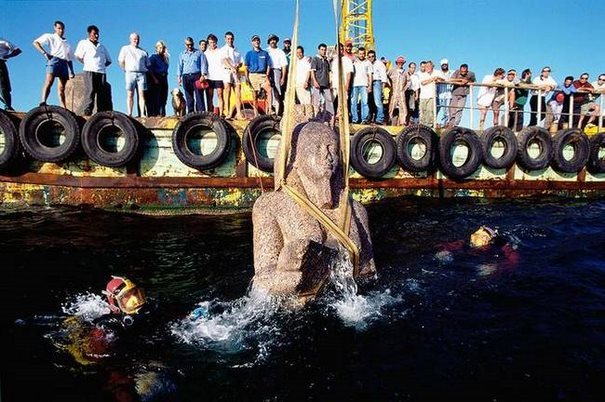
pixel 399 83
pixel 278 72
pixel 349 50
pixel 444 92
pixel 258 64
pixel 7 50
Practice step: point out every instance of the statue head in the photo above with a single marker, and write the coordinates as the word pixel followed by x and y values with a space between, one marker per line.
pixel 315 164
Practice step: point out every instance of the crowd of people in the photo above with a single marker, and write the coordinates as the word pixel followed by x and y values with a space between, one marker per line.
pixel 376 92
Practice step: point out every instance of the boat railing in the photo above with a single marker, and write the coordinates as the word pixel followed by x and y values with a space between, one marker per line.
pixel 569 114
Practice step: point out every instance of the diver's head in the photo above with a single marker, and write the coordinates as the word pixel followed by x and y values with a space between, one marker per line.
pixel 483 236
pixel 123 296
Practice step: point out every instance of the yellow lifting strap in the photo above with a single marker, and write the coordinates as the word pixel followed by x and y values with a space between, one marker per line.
pixel 341 230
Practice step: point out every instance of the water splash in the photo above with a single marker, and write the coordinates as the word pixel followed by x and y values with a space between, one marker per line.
pixel 231 327
pixel 353 309
pixel 86 306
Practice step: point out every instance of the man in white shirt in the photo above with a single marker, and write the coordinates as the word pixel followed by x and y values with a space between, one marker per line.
pixel 303 75
pixel 428 80
pixel 279 70
pixel 59 61
pixel 134 62
pixel 7 50
pixel 216 71
pixel 546 84
pixel 412 94
pixel 348 70
pixel 362 86
pixel 599 88
pixel 232 61
pixel 379 76
pixel 444 93
pixel 95 58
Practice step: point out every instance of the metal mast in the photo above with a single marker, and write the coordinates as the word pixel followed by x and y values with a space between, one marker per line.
pixel 356 23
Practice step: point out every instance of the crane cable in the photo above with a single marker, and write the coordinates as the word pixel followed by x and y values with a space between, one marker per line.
pixel 339 231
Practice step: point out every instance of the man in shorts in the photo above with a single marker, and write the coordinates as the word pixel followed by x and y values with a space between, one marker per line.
pixel 258 65
pixel 232 61
pixel 215 73
pixel 59 61
pixel 134 61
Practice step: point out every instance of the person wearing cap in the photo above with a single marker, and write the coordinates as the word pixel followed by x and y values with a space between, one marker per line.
pixel 59 61
pixel 192 66
pixel 320 80
pixel 349 50
pixel 546 84
pixel 7 51
pixel 232 61
pixel 279 72
pixel 258 67
pixel 461 79
pixel 379 82
pixel 96 59
pixel 444 92
pixel 134 60
pixel 399 84
pixel 483 242
pixel 428 81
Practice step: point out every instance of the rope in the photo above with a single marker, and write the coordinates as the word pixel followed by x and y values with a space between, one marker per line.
pixel 341 230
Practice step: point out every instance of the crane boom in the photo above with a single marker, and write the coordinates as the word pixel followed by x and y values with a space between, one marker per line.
pixel 356 23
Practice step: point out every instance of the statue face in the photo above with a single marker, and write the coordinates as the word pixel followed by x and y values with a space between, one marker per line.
pixel 320 157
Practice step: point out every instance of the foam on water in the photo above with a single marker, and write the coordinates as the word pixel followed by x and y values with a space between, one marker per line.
pixel 87 306
pixel 234 326
pixel 353 309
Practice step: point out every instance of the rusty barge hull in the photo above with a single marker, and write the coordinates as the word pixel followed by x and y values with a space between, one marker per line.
pixel 157 180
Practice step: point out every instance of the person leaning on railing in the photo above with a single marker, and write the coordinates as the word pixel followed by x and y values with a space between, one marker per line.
pixel 584 105
pixel 521 92
pixel 546 84
pixel 460 78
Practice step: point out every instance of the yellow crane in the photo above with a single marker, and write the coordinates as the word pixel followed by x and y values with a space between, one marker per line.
pixel 356 23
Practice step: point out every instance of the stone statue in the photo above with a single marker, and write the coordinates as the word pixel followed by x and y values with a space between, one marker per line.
pixel 293 252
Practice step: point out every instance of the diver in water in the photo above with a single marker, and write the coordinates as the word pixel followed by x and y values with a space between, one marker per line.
pixel 485 242
pixel 92 342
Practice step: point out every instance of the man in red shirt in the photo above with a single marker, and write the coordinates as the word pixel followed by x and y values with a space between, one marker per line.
pixel 583 104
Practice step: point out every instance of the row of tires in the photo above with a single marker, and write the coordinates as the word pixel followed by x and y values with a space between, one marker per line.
pixel 374 152
pixel 568 151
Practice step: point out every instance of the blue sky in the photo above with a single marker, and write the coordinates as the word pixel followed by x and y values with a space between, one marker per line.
pixel 484 34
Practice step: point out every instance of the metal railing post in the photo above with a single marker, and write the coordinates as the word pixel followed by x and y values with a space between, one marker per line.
pixel 471 107
pixel 601 111
pixel 435 107
pixel 571 99
pixel 539 109
pixel 506 106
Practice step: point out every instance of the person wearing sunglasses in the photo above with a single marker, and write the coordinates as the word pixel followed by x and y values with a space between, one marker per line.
pixel 547 84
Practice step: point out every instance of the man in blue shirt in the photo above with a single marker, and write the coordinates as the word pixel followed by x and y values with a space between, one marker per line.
pixel 258 64
pixel 192 67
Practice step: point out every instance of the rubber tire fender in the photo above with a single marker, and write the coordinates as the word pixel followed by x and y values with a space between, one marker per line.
pixel 596 164
pixel 542 136
pixel 255 128
pixel 186 127
pixel 28 133
pixel 91 133
pixel 474 157
pixel 576 138
pixel 506 135
pixel 386 162
pixel 423 134
pixel 11 141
